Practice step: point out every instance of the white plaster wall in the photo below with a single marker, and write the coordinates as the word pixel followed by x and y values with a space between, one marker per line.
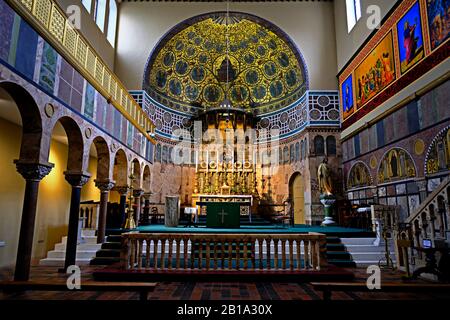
pixel 309 24
pixel 348 43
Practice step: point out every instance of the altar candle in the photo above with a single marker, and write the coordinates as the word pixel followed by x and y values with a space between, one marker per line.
pixel 207 161
pixel 217 162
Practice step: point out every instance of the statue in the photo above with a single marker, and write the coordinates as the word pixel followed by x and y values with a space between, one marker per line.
pixel 324 177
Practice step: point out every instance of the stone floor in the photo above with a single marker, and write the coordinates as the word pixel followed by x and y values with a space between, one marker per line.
pixel 210 290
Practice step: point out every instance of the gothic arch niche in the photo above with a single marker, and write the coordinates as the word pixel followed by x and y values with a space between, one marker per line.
pixel 396 164
pixel 359 176
pixel 438 155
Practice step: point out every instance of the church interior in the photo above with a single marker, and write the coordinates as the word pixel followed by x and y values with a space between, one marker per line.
pixel 224 150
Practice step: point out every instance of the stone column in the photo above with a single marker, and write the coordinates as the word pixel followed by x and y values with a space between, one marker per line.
pixel 123 191
pixel 33 173
pixel 105 186
pixel 137 200
pixel 76 180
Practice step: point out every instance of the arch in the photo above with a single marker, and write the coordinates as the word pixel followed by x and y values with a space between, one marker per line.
pixel 437 158
pixel 396 164
pixel 75 143
pixel 120 170
pixel 103 158
pixel 136 167
pixel 267 35
pixel 319 145
pixel 158 153
pixel 146 179
pixel 31 121
pixel 297 197
pixel 331 145
pixel 359 176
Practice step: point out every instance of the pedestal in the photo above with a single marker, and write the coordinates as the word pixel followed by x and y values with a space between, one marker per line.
pixel 328 202
pixel 172 211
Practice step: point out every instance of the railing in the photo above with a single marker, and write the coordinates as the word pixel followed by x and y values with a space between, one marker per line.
pixel 47 18
pixel 89 215
pixel 223 252
pixel 430 221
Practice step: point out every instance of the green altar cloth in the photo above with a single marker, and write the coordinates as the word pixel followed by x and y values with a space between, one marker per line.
pixel 223 215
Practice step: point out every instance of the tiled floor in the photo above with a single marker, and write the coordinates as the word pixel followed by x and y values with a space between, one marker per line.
pixel 210 290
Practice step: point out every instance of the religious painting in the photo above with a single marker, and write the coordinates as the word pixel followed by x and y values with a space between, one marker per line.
pixel 375 72
pixel 359 176
pixel 410 40
pixel 438 21
pixel 438 159
pixel 347 96
pixel 397 164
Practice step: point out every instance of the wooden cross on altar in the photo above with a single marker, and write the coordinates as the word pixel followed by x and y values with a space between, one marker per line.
pixel 223 214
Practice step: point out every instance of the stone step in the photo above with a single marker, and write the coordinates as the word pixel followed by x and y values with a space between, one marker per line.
pixel 59 262
pixel 358 241
pixel 104 261
pixel 85 239
pixel 366 248
pixel 61 254
pixel 83 246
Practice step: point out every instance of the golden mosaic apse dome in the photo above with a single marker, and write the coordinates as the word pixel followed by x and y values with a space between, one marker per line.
pixel 194 66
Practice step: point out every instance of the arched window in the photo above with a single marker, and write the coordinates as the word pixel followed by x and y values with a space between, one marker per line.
pixel 280 156
pixel 112 22
pixel 87 4
pixel 292 153
pixel 158 153
pixel 297 152
pixel 302 150
pixel 286 154
pixel 331 146
pixel 319 147
pixel 100 12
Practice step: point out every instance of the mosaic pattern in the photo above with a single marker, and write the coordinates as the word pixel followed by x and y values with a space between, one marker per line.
pixel 314 108
pixel 193 66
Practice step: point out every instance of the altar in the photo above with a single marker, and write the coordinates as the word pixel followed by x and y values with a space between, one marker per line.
pixel 224 211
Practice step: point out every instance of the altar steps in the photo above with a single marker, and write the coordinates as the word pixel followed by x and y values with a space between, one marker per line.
pixel 109 253
pixel 356 252
pixel 244 221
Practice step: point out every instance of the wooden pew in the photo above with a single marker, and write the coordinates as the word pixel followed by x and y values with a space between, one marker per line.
pixel 328 287
pixel 142 287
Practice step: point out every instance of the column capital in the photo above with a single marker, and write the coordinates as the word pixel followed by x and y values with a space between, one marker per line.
pixel 122 190
pixel 104 185
pixel 33 170
pixel 138 193
pixel 147 195
pixel 77 178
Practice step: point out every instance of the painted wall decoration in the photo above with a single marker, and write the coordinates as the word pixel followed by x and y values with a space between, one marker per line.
pixel 419 30
pixel 375 72
pixel 438 21
pixel 410 39
pixel 438 155
pixel 190 66
pixel 359 176
pixel 396 164
pixel 347 96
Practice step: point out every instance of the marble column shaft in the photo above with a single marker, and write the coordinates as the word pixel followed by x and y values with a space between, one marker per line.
pixel 76 180
pixel 33 173
pixel 105 186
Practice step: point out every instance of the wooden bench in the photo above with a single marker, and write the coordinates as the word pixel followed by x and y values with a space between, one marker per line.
pixel 142 287
pixel 328 287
